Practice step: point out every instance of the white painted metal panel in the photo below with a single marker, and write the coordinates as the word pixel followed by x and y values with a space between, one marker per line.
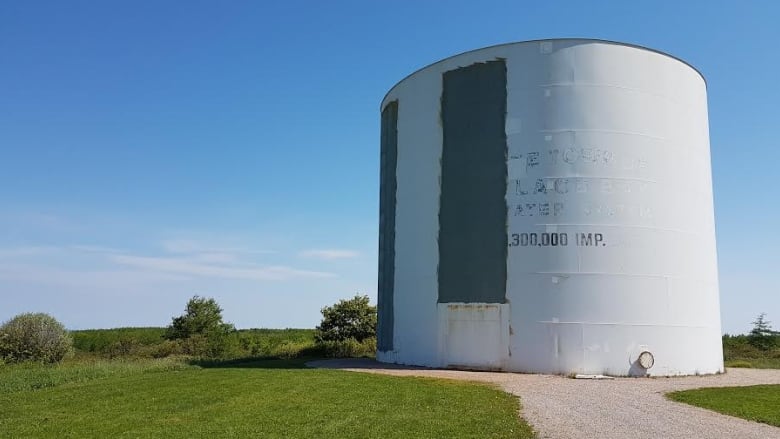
pixel 474 335
pixel 417 224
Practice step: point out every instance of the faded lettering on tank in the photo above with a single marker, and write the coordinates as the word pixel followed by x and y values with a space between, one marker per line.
pixel 546 186
pixel 557 239
pixel 577 155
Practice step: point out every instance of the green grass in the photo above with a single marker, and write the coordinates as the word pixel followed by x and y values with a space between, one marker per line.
pixel 256 399
pixel 739 364
pixel 755 363
pixel 32 376
pixel 754 403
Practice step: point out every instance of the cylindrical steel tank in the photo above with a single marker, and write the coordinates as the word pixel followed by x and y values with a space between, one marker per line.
pixel 546 206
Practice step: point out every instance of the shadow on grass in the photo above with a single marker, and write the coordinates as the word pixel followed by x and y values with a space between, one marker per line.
pixel 268 362
pixel 255 363
pixel 285 363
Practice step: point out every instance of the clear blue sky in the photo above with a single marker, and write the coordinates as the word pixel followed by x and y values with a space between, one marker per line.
pixel 150 151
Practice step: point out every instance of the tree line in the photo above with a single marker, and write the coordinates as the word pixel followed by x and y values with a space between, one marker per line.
pixel 347 328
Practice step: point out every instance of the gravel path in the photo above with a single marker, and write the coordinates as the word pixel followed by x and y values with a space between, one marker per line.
pixel 559 407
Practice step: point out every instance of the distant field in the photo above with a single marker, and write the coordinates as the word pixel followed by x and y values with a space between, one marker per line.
pixel 270 398
pixel 737 352
pixel 99 340
pixel 149 343
pixel 754 403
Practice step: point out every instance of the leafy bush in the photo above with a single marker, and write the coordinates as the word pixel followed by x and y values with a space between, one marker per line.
pixel 124 347
pixel 202 316
pixel 291 349
pixel 164 349
pixel 349 348
pixel 211 345
pixel 202 331
pixel 269 342
pixel 348 319
pixel 34 337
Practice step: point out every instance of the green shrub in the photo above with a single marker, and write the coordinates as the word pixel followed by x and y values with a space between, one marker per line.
pixel 202 316
pixel 211 346
pixel 166 348
pixel 124 347
pixel 34 337
pixel 348 319
pixel 289 350
pixel 349 348
pixel 739 363
pixel 202 332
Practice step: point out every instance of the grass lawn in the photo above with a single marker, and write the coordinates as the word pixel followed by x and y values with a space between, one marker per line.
pixel 268 398
pixel 754 403
pixel 755 363
pixel 26 377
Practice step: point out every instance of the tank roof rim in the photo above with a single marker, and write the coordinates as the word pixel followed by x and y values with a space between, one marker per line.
pixel 512 43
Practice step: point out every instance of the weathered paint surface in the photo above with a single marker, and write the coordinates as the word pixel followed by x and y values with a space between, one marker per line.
pixel 387 190
pixel 474 335
pixel 417 224
pixel 472 216
pixel 610 225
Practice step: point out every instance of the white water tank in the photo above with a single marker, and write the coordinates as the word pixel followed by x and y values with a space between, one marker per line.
pixel 546 206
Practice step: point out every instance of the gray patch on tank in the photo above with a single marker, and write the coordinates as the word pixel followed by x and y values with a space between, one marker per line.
pixel 473 210
pixel 388 185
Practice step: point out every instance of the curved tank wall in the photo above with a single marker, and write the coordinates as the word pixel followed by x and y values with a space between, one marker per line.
pixel 546 206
